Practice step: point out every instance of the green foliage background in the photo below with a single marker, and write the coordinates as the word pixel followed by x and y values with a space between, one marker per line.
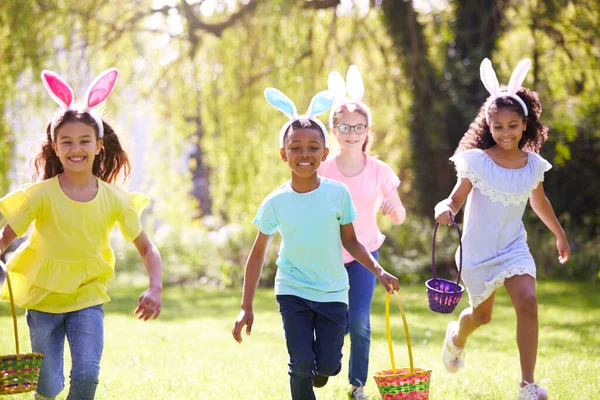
pixel 197 77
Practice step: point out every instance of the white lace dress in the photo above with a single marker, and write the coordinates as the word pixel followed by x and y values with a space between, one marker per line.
pixel 494 238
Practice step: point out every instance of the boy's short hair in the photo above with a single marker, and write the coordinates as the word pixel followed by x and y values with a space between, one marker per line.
pixel 304 123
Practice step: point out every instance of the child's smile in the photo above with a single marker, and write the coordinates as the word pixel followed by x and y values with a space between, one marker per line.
pixel 507 128
pixel 304 151
pixel 76 146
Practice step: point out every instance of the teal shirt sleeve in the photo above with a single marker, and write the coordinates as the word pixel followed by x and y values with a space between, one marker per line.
pixel 348 212
pixel 265 218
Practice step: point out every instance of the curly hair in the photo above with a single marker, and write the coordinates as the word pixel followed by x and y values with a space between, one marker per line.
pixel 479 136
pixel 108 164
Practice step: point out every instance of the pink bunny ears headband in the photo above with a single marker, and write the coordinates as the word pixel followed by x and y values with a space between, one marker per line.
pixel 97 92
pixel 320 103
pixel 490 81
pixel 355 87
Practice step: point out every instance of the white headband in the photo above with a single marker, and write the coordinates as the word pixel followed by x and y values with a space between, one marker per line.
pixel 320 103
pixel 355 87
pixel 490 81
pixel 62 94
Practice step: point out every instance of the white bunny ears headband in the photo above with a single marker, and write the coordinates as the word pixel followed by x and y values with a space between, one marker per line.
pixel 320 103
pixel 97 92
pixel 354 86
pixel 490 81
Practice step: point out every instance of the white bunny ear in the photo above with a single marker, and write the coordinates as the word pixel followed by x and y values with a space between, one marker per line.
pixel 355 84
pixel 59 89
pixel 280 101
pixel 518 76
pixel 101 87
pixel 489 78
pixel 320 103
pixel 336 85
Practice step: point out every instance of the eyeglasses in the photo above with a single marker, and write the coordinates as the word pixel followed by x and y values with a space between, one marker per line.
pixel 346 129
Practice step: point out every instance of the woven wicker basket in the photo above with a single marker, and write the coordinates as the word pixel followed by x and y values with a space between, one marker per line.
pixel 443 294
pixel 402 383
pixel 18 372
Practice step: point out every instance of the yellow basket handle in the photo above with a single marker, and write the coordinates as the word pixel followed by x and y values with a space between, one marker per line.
pixel 12 306
pixel 389 331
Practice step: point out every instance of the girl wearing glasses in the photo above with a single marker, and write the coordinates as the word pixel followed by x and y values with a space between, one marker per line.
pixel 373 187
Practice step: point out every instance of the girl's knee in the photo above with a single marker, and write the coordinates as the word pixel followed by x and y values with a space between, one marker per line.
pixel 482 317
pixel 359 326
pixel 526 304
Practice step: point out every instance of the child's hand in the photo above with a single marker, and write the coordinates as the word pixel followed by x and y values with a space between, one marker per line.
pixel 443 214
pixel 245 317
pixel 387 206
pixel 149 304
pixel 564 250
pixel 389 281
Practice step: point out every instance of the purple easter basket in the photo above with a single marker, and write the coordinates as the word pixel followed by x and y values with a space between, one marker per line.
pixel 443 294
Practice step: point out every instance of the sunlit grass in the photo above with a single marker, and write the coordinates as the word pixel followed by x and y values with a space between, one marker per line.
pixel 188 353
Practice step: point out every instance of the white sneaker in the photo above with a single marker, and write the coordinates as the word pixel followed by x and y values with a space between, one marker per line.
pixel 358 394
pixel 452 356
pixel 532 391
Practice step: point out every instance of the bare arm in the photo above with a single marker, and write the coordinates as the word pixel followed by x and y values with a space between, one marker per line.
pixel 543 209
pixel 7 235
pixel 446 210
pixel 392 206
pixel 363 256
pixel 149 303
pixel 254 266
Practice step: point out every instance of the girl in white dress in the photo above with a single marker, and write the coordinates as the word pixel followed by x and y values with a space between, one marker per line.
pixel 498 170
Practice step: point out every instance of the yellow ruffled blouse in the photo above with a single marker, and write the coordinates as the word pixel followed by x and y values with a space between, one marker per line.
pixel 66 262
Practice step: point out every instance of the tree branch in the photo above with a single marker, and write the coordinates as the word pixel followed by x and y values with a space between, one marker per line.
pixel 321 4
pixel 195 24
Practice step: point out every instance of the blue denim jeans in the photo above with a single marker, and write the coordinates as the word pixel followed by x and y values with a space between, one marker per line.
pixel 314 335
pixel 84 329
pixel 362 285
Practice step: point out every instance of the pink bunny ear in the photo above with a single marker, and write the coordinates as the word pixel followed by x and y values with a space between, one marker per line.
pixel 489 78
pixel 518 76
pixel 101 88
pixel 59 90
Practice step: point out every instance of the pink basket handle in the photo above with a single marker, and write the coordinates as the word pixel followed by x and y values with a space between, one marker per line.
pixel 459 248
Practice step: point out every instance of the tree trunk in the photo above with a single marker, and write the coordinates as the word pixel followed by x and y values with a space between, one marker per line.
pixel 407 34
pixel 200 171
pixel 443 104
pixel 476 34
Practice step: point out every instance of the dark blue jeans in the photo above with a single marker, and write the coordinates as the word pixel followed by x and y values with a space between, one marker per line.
pixel 362 285
pixel 84 329
pixel 314 335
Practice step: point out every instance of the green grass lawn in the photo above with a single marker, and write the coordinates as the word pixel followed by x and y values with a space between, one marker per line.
pixel 188 353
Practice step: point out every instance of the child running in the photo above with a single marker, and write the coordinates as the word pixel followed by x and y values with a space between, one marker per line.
pixel 59 275
pixel 314 217
pixel 499 170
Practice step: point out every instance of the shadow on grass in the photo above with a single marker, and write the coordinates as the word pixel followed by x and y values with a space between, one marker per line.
pixel 198 302
pixel 191 303
pixel 555 300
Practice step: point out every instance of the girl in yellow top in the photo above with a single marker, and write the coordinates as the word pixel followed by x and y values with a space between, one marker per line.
pixel 59 274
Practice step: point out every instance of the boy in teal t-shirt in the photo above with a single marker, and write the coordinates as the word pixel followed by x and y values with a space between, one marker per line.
pixel 313 215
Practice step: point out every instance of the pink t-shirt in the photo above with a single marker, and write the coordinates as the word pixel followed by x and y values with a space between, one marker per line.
pixel 367 189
